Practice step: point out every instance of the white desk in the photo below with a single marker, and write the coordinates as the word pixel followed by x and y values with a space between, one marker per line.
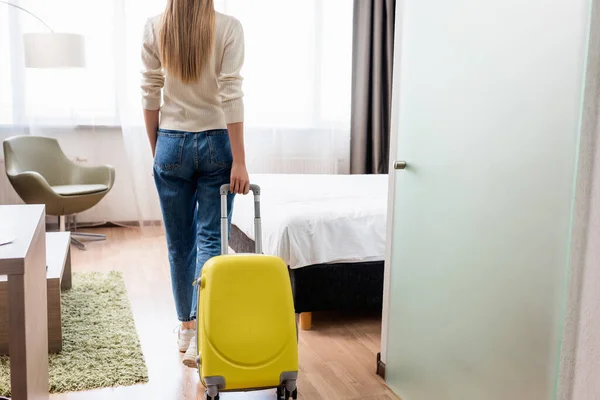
pixel 24 263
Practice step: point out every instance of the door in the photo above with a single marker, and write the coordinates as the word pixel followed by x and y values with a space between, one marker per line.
pixel 487 105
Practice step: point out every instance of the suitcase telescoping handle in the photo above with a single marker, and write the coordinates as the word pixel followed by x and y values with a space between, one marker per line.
pixel 255 189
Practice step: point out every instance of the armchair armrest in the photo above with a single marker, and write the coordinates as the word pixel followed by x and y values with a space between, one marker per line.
pixel 29 179
pixel 101 174
pixel 31 187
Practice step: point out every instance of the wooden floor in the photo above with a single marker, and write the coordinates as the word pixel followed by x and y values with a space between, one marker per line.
pixel 337 357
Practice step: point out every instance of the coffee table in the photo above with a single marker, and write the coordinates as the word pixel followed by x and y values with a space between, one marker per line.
pixel 58 277
pixel 23 262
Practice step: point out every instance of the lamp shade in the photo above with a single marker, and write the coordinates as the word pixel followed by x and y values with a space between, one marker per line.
pixel 54 50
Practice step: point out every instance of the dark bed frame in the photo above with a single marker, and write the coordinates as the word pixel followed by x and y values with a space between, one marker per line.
pixel 327 287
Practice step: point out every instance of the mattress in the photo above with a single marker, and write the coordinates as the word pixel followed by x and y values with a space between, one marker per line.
pixel 318 219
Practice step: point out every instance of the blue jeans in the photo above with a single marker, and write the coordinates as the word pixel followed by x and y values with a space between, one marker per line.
pixel 189 169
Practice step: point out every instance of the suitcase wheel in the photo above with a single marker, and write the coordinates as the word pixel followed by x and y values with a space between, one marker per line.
pixel 284 394
pixel 211 393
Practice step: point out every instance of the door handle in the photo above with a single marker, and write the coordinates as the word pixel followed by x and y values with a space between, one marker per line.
pixel 400 165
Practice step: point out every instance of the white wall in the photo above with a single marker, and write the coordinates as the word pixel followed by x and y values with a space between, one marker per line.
pixel 580 361
pixel 586 383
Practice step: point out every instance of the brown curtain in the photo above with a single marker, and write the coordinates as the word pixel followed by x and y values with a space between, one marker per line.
pixel 373 54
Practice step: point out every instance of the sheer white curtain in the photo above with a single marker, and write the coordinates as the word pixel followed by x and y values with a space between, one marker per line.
pixel 297 81
pixel 76 106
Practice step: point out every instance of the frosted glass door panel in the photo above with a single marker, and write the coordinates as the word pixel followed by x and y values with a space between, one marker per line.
pixel 489 102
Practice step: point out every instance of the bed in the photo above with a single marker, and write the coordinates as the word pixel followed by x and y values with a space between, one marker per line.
pixel 329 229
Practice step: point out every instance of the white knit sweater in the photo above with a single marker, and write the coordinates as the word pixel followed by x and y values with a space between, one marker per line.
pixel 211 103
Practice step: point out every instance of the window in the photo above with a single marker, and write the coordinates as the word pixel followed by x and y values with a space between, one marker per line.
pixel 298 61
pixel 297 71
pixel 56 97
pixel 6 100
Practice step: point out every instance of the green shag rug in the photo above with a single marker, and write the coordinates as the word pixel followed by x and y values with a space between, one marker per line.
pixel 100 343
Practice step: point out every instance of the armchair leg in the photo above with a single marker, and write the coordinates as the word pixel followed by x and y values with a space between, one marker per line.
pixel 75 236
pixel 89 236
pixel 78 244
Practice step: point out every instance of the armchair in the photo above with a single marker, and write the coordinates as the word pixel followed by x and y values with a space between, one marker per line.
pixel 41 173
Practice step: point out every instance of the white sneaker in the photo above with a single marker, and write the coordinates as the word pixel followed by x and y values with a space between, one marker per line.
pixel 184 337
pixel 191 355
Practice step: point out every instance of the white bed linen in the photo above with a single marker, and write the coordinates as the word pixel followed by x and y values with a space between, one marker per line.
pixel 318 219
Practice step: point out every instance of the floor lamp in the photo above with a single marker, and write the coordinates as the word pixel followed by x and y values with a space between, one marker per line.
pixel 51 49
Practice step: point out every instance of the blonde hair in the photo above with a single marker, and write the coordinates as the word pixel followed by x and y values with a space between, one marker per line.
pixel 187 37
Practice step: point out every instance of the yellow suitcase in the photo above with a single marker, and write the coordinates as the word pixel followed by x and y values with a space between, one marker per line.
pixel 247 333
